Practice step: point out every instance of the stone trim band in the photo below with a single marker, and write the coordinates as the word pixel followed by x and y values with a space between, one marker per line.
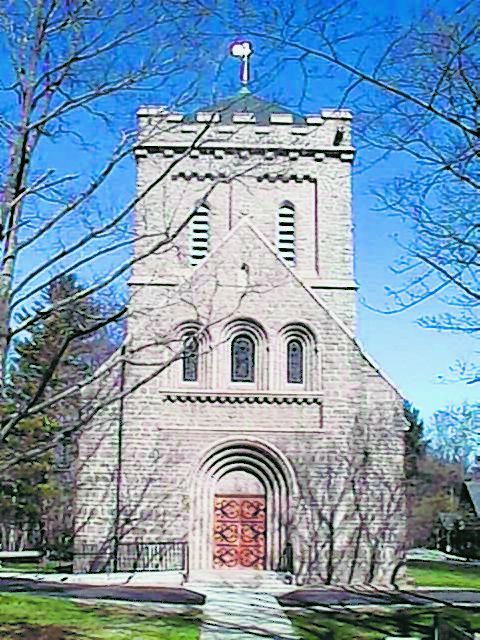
pixel 242 398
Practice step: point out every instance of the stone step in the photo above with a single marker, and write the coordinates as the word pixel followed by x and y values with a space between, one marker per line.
pixel 239 576
pixel 241 583
pixel 267 588
pixel 267 581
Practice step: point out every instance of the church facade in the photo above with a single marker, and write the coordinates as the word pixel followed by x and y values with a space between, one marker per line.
pixel 245 422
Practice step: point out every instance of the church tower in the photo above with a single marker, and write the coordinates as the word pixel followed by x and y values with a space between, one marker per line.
pixel 252 434
pixel 244 157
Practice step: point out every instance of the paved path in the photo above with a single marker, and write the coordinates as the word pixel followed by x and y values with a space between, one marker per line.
pixel 308 597
pixel 239 614
pixel 457 596
pixel 169 595
pixel 325 596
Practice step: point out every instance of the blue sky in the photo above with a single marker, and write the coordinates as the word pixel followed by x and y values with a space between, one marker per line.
pixel 416 359
pixel 411 356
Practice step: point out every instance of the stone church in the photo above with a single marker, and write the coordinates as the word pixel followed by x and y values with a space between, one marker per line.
pixel 241 426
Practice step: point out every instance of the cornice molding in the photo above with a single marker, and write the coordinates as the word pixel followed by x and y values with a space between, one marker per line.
pixel 317 284
pixel 222 175
pixel 235 397
pixel 170 148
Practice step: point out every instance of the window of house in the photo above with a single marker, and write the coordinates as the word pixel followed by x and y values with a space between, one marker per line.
pixel 64 457
pixel 190 358
pixel 295 361
pixel 199 234
pixel 286 233
pixel 243 359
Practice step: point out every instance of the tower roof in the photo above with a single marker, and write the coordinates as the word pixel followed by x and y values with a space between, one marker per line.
pixel 246 102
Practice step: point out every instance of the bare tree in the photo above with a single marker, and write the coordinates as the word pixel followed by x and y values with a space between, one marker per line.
pixel 73 70
pixel 355 531
pixel 59 71
pixel 454 435
pixel 416 99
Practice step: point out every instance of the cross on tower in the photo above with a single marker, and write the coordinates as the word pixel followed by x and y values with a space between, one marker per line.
pixel 242 49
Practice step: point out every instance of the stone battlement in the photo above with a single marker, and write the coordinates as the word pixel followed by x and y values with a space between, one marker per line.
pixel 327 132
pixel 243 117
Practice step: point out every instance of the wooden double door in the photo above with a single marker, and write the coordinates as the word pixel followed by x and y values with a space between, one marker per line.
pixel 239 533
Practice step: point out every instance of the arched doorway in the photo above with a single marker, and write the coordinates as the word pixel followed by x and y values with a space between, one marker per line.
pixel 239 522
pixel 241 468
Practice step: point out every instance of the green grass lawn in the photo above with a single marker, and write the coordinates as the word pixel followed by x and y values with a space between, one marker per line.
pixel 442 574
pixel 29 567
pixel 313 625
pixel 25 617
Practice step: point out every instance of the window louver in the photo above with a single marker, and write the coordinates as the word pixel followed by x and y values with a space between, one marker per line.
pixel 286 233
pixel 199 235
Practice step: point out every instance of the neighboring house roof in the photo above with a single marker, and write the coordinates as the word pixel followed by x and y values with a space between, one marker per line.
pixel 246 102
pixel 472 489
pixel 448 519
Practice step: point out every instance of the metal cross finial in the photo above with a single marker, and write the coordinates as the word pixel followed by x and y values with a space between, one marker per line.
pixel 242 49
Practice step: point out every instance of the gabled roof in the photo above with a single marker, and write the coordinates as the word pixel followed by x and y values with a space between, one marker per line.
pixel 472 488
pixel 246 221
pixel 246 102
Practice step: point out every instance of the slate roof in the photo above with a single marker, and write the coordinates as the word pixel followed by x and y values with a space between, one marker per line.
pixel 246 102
pixel 472 488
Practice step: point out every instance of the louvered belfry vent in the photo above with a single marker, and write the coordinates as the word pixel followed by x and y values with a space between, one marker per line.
pixel 286 233
pixel 199 234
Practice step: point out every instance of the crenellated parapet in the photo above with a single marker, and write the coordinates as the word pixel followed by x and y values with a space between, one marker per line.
pixel 242 133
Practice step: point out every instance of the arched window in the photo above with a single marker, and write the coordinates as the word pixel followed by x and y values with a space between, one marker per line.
pixel 199 234
pixel 243 359
pixel 286 233
pixel 190 358
pixel 295 361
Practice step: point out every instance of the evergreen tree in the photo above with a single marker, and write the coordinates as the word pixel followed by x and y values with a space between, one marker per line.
pixel 415 445
pixel 56 354
pixel 29 487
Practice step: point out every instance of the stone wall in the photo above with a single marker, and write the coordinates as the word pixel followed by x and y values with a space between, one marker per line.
pixel 169 424
pixel 97 467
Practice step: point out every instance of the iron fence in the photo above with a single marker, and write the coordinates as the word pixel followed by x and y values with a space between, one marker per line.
pixel 15 537
pixel 463 539
pixel 132 556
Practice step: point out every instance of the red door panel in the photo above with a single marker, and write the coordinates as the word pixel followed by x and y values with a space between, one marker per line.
pixel 239 532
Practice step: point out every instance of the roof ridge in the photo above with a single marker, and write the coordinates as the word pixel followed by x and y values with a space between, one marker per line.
pixel 247 102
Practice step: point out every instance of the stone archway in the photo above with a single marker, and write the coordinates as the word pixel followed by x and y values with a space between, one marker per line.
pixel 247 461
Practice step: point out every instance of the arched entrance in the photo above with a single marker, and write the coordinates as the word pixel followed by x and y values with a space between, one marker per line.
pixel 240 470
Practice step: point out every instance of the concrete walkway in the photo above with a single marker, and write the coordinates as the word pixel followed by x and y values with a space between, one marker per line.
pixel 242 614
pixel 132 578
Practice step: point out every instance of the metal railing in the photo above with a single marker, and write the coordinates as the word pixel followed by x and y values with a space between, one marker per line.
pixel 462 539
pixel 286 559
pixel 132 556
pixel 14 537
